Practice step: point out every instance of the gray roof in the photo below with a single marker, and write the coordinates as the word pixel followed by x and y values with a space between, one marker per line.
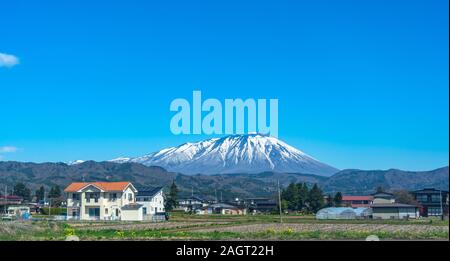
pixel 392 205
pixel 147 191
pixel 132 206
pixel 193 198
pixel 429 190
pixel 223 205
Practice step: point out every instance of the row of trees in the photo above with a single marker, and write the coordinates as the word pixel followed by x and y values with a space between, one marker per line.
pixel 299 197
pixel 21 190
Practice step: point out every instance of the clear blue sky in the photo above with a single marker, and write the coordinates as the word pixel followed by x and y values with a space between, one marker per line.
pixel 361 84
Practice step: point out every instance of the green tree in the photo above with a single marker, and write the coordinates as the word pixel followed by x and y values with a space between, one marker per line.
pixel 40 193
pixel 380 189
pixel 291 196
pixel 315 199
pixel 22 191
pixel 404 197
pixel 284 206
pixel 172 199
pixel 337 200
pixel 303 192
pixel 55 192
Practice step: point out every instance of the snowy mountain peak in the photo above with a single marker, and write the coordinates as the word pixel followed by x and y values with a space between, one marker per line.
pixel 249 153
pixel 120 160
pixel 75 162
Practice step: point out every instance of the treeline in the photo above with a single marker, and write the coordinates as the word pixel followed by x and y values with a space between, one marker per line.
pixel 21 190
pixel 299 197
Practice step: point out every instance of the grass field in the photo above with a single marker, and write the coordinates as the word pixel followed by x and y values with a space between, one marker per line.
pixel 221 227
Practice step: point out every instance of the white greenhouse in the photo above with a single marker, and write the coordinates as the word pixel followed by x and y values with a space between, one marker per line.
pixel 344 213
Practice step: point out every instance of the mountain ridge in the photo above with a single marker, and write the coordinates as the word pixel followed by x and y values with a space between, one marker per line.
pixel 249 153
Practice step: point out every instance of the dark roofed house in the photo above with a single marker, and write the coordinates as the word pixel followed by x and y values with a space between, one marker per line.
pixel 432 201
pixel 226 209
pixel 152 201
pixel 147 191
pixel 10 200
pixel 260 205
pixel 192 203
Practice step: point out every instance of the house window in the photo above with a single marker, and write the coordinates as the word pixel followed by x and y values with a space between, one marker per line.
pixel 422 198
pixel 113 196
pixel 130 196
pixel 144 210
pixel 433 211
pixel 435 198
pixel 75 196
pixel 106 211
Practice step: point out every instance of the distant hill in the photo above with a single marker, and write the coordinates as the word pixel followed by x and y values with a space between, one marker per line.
pixel 362 181
pixel 229 185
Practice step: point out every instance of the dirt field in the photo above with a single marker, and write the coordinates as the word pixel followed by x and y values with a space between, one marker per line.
pixel 373 228
pixel 221 227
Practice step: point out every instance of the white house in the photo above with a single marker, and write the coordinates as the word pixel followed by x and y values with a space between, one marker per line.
pixel 151 199
pixel 112 201
pixel 99 200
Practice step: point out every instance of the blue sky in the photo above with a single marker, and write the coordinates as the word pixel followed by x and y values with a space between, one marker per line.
pixel 360 84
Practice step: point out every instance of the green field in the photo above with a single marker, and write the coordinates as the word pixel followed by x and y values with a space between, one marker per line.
pixel 221 227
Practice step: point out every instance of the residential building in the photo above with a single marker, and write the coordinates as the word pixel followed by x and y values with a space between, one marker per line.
pixel 357 201
pixel 260 205
pixel 432 201
pixel 192 203
pixel 384 207
pixel 225 209
pixel 102 201
pixel 383 198
pixel 394 211
pixel 10 200
pixel 152 200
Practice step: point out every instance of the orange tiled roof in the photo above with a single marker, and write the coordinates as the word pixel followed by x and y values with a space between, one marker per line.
pixel 106 186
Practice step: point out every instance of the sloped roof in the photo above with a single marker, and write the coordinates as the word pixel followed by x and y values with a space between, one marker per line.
pixel 224 205
pixel 132 206
pixel 349 198
pixel 105 186
pixel 429 190
pixel 392 205
pixel 148 191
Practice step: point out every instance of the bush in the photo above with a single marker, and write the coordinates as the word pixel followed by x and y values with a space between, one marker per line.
pixel 54 211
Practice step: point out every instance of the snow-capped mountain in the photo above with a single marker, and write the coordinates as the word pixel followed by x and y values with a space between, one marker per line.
pixel 250 153
pixel 75 162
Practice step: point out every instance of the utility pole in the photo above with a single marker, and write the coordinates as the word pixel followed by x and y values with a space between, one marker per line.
pixel 6 198
pixel 279 201
pixel 442 209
